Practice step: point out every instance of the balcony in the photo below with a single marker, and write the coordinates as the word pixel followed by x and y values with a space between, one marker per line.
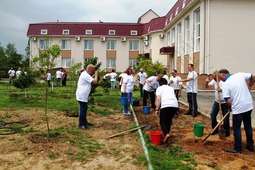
pixel 166 50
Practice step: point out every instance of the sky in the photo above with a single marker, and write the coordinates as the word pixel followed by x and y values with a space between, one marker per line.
pixel 16 15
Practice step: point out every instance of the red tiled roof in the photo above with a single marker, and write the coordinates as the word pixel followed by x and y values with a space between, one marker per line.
pixel 78 28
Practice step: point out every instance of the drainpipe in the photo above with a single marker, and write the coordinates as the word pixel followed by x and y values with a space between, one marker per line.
pixel 143 141
pixel 208 37
pixel 205 61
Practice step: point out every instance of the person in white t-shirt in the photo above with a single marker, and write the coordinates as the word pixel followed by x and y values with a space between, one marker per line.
pixel 11 74
pixel 113 77
pixel 121 77
pixel 191 88
pixel 48 78
pixel 215 108
pixel 127 89
pixel 18 73
pixel 82 93
pixel 175 82
pixel 141 77
pixel 149 88
pixel 165 76
pixel 166 106
pixel 58 76
pixel 236 93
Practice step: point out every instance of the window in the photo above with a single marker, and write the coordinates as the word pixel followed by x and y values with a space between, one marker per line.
pixel 132 62
pixel 179 39
pixel 65 32
pixel 168 38
pixel 197 30
pixel 133 45
pixel 111 62
pixel 111 45
pixel 88 44
pixel 171 17
pixel 44 32
pixel 66 44
pixel 88 32
pixel 42 44
pixel 166 22
pixel 183 3
pixel 186 35
pixel 111 32
pixel 66 62
pixel 173 35
pixel 133 32
pixel 176 12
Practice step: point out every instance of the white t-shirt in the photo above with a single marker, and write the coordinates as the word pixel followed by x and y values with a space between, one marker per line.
pixel 84 87
pixel 48 76
pixel 175 82
pixel 166 77
pixel 213 83
pixel 192 84
pixel 11 73
pixel 113 76
pixel 168 98
pixel 18 73
pixel 58 74
pixel 130 82
pixel 142 77
pixel 153 81
pixel 236 89
pixel 122 76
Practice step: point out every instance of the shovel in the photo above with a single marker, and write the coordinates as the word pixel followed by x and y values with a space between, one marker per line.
pixel 145 126
pixel 221 130
pixel 216 126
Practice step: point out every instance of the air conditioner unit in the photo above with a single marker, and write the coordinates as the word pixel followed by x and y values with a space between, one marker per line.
pixel 102 39
pixel 146 43
pixel 123 39
pixel 145 38
pixel 161 35
pixel 34 38
pixel 77 38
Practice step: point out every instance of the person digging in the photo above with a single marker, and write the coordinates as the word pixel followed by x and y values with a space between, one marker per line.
pixel 166 107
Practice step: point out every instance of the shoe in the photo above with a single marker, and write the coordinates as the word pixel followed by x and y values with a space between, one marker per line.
pixel 250 149
pixel 166 138
pixel 89 124
pixel 227 134
pixel 83 127
pixel 128 113
pixel 233 151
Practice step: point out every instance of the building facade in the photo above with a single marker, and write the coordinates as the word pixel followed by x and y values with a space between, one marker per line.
pixel 211 34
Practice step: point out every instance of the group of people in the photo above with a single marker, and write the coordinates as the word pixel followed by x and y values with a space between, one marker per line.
pixel 233 89
pixel 12 73
pixel 61 77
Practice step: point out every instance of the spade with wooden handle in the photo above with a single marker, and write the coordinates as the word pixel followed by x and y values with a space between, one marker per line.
pixel 221 130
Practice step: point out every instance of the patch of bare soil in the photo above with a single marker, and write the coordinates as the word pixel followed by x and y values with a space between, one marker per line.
pixel 209 154
pixel 32 150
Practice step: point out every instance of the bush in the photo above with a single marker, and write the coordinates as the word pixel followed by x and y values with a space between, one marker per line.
pixel 24 80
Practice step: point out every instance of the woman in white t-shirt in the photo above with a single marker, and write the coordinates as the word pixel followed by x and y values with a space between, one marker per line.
pixel 113 77
pixel 127 89
pixel 166 107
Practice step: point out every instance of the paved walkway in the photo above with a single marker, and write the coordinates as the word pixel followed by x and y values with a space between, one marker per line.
pixel 205 99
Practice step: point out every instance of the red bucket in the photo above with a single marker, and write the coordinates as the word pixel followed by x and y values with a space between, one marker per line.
pixel 156 137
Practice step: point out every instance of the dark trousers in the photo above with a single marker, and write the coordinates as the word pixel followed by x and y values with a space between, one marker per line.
pixel 166 116
pixel 176 92
pixel 141 90
pixel 83 113
pixel 192 100
pixel 214 112
pixel 237 121
pixel 152 97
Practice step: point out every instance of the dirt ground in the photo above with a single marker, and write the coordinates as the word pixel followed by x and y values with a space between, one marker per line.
pixel 31 150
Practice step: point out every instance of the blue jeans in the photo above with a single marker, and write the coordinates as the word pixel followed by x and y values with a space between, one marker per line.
pixel 214 112
pixel 192 100
pixel 237 121
pixel 129 98
pixel 113 85
pixel 83 113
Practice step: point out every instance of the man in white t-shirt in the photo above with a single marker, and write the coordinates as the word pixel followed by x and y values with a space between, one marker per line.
pixel 175 82
pixel 48 78
pixel 191 88
pixel 215 108
pixel 18 73
pixel 58 76
pixel 113 77
pixel 149 88
pixel 237 95
pixel 82 93
pixel 11 74
pixel 166 106
pixel 141 77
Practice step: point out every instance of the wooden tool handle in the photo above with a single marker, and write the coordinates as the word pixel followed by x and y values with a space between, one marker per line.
pixel 126 131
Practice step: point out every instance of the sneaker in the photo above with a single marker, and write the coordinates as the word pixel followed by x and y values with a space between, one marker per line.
pixel 233 151
pixel 250 149
pixel 83 127
pixel 128 113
